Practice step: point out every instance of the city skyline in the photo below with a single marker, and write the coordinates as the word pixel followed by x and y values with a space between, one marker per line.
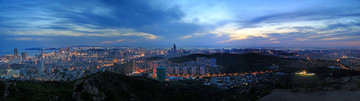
pixel 179 50
pixel 277 23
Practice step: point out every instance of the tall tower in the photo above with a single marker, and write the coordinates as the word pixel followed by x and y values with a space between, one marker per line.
pixel 15 52
pixel 174 48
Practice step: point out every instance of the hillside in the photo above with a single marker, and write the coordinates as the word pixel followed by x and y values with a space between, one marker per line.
pixel 35 90
pixel 110 87
pixel 236 62
pixel 113 87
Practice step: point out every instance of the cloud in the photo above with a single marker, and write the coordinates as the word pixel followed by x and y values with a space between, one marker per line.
pixel 92 18
pixel 80 31
pixel 317 28
pixel 187 36
pixel 300 39
pixel 110 42
pixel 119 40
pixel 274 42
pixel 29 39
pixel 107 42
pixel 341 38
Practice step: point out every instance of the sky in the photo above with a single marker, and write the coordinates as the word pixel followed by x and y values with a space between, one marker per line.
pixel 261 23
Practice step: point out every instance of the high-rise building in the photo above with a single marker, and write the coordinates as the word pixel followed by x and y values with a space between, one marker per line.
pixel 15 52
pixel 176 70
pixel 42 54
pixel 67 49
pixel 60 50
pixel 184 70
pixel 24 56
pixel 174 48
pixel 126 68
pixel 202 70
pixel 41 68
pixel 161 73
pixel 193 70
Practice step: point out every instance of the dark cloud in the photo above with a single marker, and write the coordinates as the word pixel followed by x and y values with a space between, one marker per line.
pixel 139 15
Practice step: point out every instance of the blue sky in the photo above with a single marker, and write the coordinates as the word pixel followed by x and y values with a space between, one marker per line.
pixel 271 23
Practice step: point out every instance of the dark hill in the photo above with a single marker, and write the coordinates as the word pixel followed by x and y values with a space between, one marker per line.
pixel 235 62
pixel 107 86
pixel 113 87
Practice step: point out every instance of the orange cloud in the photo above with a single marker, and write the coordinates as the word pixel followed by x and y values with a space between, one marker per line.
pixel 106 42
pixel 117 41
pixel 299 39
pixel 120 40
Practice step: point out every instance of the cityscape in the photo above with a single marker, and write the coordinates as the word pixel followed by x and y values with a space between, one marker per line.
pixel 157 50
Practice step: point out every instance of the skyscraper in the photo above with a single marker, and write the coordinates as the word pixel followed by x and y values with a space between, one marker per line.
pixel 42 54
pixel 15 52
pixel 60 50
pixel 174 48
pixel 24 56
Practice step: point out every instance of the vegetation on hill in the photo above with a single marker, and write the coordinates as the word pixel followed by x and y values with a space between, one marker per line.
pixel 236 62
pixel 121 88
pixel 111 87
pixel 35 90
pixel 154 58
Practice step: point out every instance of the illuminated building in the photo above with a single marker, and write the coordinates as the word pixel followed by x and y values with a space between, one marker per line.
pixel 60 50
pixel 161 73
pixel 67 49
pixel 211 62
pixel 305 73
pixel 42 54
pixel 202 70
pixel 176 70
pixel 193 70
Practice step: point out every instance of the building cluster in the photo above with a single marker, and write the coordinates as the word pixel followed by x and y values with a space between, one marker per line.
pixel 241 81
pixel 201 66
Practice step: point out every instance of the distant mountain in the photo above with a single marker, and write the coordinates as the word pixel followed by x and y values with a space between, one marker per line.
pixel 96 46
pixel 41 48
